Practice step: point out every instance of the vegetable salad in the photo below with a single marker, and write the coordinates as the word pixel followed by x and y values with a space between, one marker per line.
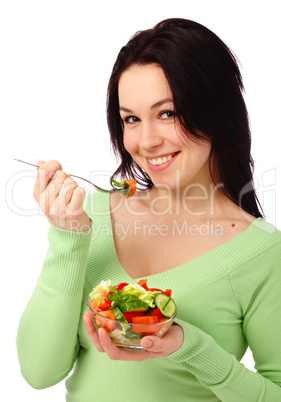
pixel 135 309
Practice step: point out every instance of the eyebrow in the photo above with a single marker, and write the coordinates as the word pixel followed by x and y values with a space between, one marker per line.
pixel 154 106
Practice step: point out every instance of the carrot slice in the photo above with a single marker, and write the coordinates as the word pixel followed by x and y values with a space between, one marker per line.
pixel 108 325
pixel 132 188
pixel 94 305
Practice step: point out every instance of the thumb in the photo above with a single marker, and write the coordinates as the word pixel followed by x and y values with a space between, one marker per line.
pixel 166 345
pixel 152 343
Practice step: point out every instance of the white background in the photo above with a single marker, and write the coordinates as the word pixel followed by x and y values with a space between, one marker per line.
pixel 56 58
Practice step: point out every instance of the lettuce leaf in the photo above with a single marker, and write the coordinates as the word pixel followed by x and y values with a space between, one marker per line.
pixel 100 291
pixel 133 289
pixel 146 296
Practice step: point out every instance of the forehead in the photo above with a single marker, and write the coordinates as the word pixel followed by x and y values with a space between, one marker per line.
pixel 143 83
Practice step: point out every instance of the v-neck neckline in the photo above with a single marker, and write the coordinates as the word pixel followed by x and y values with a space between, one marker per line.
pixel 227 248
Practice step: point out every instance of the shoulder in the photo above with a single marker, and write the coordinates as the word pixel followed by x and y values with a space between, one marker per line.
pixel 264 239
pixel 266 233
pixel 258 276
pixel 261 245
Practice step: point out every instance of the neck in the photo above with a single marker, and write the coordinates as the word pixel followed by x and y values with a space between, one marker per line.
pixel 194 201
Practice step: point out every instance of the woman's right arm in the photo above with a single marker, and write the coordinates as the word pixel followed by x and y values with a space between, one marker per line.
pixel 47 339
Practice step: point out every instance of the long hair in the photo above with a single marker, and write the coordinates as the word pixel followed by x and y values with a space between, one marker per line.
pixel 207 88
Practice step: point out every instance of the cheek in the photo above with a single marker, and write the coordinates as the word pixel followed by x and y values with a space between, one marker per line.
pixel 130 144
pixel 205 151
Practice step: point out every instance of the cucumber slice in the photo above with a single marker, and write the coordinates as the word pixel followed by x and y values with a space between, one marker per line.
pixel 136 305
pixel 119 315
pixel 166 304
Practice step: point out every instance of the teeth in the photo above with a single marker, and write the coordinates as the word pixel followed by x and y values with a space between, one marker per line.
pixel 160 161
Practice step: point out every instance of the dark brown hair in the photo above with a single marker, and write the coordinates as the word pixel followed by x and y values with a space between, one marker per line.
pixel 207 89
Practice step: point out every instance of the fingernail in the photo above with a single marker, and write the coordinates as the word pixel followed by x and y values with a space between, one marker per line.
pixel 147 343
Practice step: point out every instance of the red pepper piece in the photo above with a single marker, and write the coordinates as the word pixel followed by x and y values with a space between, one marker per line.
pixel 105 305
pixel 167 292
pixel 155 290
pixel 143 283
pixel 121 286
pixel 157 313
pixel 133 314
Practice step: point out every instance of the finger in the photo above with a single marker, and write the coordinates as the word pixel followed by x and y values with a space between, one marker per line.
pixel 39 163
pixel 48 199
pixel 166 345
pixel 56 183
pixel 75 205
pixel 66 191
pixel 108 346
pixel 91 331
pixel 44 175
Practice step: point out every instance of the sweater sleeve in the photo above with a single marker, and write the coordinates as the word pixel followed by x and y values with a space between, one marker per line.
pixel 220 371
pixel 47 341
pixel 260 303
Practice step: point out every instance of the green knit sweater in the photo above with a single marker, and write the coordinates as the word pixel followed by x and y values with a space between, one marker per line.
pixel 228 299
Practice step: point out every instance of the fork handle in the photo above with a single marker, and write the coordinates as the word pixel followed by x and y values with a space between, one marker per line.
pixel 78 177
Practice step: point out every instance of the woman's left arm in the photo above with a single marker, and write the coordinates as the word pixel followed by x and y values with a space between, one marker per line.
pixel 256 287
pixel 257 291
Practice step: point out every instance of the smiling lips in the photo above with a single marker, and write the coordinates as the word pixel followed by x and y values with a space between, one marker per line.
pixel 162 162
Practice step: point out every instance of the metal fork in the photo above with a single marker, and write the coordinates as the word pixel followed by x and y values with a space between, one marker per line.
pixel 114 189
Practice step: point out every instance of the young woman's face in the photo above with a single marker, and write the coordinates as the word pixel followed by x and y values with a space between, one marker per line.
pixel 152 134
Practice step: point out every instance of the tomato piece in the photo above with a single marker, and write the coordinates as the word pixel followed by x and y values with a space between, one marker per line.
pixel 131 314
pixel 121 286
pixel 163 319
pixel 144 329
pixel 161 325
pixel 147 319
pixel 143 283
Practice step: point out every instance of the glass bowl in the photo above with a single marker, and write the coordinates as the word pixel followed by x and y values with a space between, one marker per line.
pixel 127 335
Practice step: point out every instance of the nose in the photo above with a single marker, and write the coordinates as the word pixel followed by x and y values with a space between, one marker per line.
pixel 150 137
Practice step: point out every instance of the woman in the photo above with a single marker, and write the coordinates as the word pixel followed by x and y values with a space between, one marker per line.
pixel 179 124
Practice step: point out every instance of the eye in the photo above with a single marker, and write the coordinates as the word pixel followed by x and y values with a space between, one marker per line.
pixel 130 120
pixel 167 114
